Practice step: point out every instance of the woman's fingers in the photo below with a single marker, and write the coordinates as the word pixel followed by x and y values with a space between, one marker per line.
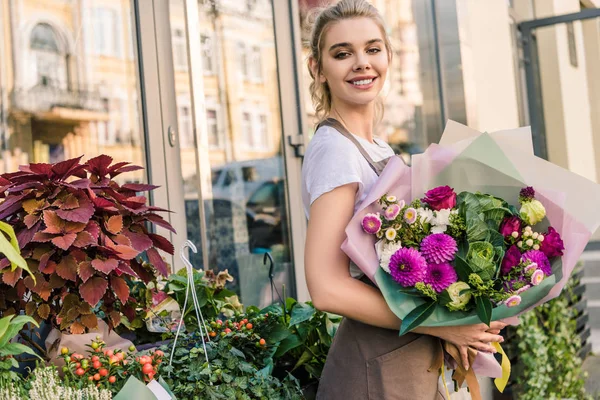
pixel 497 325
pixel 493 331
pixel 464 355
pixel 484 347
pixel 486 337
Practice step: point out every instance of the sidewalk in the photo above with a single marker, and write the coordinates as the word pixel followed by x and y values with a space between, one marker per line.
pixel 592 366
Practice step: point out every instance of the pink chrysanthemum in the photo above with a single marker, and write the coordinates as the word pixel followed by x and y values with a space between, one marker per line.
pixel 440 276
pixel 537 277
pixel 513 301
pixel 438 248
pixel 391 212
pixel 407 266
pixel 540 259
pixel 371 223
pixel 410 215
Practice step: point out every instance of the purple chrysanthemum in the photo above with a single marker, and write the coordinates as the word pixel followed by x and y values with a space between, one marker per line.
pixel 440 276
pixel 540 259
pixel 371 223
pixel 407 266
pixel 391 212
pixel 438 248
pixel 527 193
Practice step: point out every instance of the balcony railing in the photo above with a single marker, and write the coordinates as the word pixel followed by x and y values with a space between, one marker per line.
pixel 42 98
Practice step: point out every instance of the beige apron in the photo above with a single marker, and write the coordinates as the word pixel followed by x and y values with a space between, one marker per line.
pixel 370 363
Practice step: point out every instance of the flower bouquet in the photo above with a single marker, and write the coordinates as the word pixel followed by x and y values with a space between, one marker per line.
pixel 447 245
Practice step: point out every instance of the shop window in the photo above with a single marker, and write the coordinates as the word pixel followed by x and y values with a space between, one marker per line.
pixel 213 128
pixel 106 32
pixel 49 60
pixel 208 59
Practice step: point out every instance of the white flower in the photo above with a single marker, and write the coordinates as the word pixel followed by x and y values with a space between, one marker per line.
pixel 540 238
pixel 529 242
pixel 536 246
pixel 526 233
pixel 425 215
pixel 515 234
pixel 535 235
pixel 442 217
pixel 520 243
pixel 390 234
pixel 391 199
pixel 385 251
pixel 439 228
pixel 401 203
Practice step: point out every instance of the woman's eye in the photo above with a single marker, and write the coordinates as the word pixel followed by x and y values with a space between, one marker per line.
pixel 341 55
pixel 374 50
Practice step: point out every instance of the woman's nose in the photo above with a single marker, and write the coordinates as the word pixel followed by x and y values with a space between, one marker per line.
pixel 362 63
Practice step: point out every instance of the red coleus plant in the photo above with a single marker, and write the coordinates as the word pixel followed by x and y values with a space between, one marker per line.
pixel 83 236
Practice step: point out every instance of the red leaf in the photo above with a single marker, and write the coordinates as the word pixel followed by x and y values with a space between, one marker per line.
pixel 70 202
pixel 93 290
pixel 44 260
pixel 118 165
pixel 85 270
pixel 119 286
pixel 126 269
pixel 114 224
pixel 31 219
pixel 122 239
pixel 79 255
pixel 144 273
pixel 84 239
pixel 79 183
pixel 50 267
pixel 64 242
pixel 81 214
pixel 67 268
pixel 99 165
pixel 40 168
pixel 162 243
pixel 128 168
pixel 10 205
pixel 61 169
pixel 94 229
pixel 125 252
pixel 139 187
pixel 157 262
pixel 55 224
pixel 106 266
pixel 139 241
pixel 42 237
pixel 23 186
pixel 129 312
pixel 12 277
pixel 158 220
pixel 25 236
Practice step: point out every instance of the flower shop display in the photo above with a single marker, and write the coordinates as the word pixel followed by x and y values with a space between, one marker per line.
pixel 83 235
pixel 447 245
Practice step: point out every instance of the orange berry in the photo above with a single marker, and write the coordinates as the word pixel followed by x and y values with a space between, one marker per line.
pixel 96 364
pixel 109 353
pixel 248 326
pixel 213 334
pixel 90 378
pixel 262 342
pixel 112 379
pixel 120 356
pixel 151 375
pixel 103 372
pixel 95 358
pixel 79 371
pixel 97 377
pixel 159 353
pixel 147 368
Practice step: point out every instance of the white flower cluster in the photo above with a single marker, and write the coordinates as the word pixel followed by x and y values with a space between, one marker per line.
pixel 10 392
pixel 439 220
pixel 46 385
pixel 385 251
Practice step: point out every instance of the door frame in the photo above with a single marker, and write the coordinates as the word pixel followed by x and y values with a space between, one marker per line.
pixel 532 72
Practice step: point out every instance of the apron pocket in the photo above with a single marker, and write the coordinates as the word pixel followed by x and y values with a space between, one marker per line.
pixel 402 373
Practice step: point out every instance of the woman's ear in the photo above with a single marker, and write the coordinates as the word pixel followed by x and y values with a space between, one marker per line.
pixel 314 70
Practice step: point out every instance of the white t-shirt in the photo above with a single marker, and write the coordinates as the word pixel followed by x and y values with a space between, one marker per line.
pixel 332 160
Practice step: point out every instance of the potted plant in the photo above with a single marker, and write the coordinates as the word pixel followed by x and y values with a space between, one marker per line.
pixel 83 236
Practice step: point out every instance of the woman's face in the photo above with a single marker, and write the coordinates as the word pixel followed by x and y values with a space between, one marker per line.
pixel 354 61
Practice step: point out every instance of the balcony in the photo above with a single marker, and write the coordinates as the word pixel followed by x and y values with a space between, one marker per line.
pixel 42 99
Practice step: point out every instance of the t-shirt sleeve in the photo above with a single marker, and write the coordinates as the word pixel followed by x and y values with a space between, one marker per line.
pixel 329 164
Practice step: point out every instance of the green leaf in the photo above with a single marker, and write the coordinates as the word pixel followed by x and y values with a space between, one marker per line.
pixel 301 312
pixel 4 323
pixel 289 303
pixel 330 326
pixel 313 370
pixel 14 327
pixel 278 334
pixel 484 309
pixel 13 349
pixel 287 344
pixel 237 353
pixel 463 270
pixel 11 248
pixel 272 309
pixel 417 316
pixel 304 358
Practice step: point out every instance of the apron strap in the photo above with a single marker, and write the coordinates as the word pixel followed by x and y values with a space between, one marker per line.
pixel 376 166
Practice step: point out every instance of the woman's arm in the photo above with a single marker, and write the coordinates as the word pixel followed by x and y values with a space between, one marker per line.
pixel 332 288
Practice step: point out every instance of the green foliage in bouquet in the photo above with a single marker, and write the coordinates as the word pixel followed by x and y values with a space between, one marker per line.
pixel 546 344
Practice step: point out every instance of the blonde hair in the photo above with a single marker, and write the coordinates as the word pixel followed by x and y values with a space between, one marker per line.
pixel 319 20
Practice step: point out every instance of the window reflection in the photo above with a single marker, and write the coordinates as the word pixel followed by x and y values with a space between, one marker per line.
pixel 68 83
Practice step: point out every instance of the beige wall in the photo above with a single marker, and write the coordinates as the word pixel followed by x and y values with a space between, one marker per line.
pixel 487 62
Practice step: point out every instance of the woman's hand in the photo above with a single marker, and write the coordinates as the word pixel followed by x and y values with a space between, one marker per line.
pixel 477 336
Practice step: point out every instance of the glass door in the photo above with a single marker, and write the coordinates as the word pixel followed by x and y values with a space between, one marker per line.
pixel 231 144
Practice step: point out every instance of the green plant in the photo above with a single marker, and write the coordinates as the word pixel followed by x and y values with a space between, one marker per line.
pixel 213 298
pixel 9 246
pixel 109 369
pixel 10 326
pixel 82 235
pixel 302 339
pixel 547 345
pixel 229 374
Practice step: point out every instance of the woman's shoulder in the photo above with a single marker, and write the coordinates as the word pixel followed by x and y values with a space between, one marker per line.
pixel 329 141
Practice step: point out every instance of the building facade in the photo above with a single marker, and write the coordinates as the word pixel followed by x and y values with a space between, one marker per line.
pixel 211 97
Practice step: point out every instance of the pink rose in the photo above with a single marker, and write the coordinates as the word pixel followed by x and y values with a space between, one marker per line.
pixel 440 198
pixel 510 225
pixel 552 246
